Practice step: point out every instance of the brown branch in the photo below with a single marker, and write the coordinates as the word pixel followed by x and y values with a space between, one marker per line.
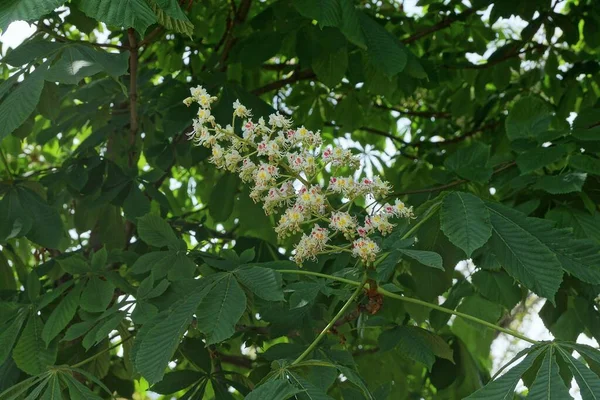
pixel 452 184
pixel 240 16
pixel 516 52
pixel 150 37
pixel 458 138
pixel 440 25
pixel 59 38
pixel 133 116
pixel 295 77
pixel 238 361
pixel 425 114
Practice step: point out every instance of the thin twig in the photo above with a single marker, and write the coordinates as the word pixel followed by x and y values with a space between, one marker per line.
pixel 295 77
pixel 440 25
pixel 133 116
pixel 451 184
pixel 48 30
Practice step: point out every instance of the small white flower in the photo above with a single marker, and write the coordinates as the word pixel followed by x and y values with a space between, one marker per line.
pixel 365 249
pixel 240 110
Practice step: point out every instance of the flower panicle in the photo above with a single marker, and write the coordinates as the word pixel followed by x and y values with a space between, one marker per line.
pixel 282 164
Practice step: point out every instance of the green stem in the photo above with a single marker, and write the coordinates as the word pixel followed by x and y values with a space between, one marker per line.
pixel 421 222
pixel 414 301
pixel 333 321
pixel 87 360
pixel 5 162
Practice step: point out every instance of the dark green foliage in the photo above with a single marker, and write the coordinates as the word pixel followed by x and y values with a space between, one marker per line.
pixel 130 264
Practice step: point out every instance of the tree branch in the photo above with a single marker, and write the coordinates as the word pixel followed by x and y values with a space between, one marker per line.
pixel 440 25
pixel 452 184
pixel 45 28
pixel 133 116
pixel 295 77
pixel 458 138
pixel 425 114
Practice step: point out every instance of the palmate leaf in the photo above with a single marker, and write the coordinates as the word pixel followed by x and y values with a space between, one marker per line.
pixel 61 315
pixel 588 381
pixel 126 13
pixel 326 12
pixel 384 50
pixel 465 220
pixel 156 232
pixel 221 309
pixel 20 103
pixel 528 119
pixel 263 282
pixel 503 387
pixel 277 389
pixel 579 257
pixel 158 339
pixel 31 353
pixel 9 334
pixel 522 254
pixel 308 390
pixel 173 18
pixel 25 10
pixel 548 384
pixel 53 391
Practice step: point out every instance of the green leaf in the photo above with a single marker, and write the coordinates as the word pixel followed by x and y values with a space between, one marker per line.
pixel 99 259
pixel 158 339
pixel 585 163
pixel 221 310
pixel 311 392
pixel 121 13
pixel 588 381
pixel 427 258
pixel 9 334
pixel 77 62
pixel 277 389
pixel 523 255
pixel 465 220
pixel 74 264
pixel 25 10
pixel 538 158
pixel 471 162
pixel 172 17
pixel 384 50
pixel 61 315
pixel 34 48
pixel 350 25
pixel 20 103
pixel 176 381
pixel 77 390
pixel 498 287
pixel 548 384
pixel 503 387
pixel 220 204
pixel 326 12
pixel 560 184
pixel 156 232
pixel 97 295
pixel 31 354
pixel 174 263
pixel 330 67
pixel 263 282
pixel 24 206
pixel 415 343
pixel 53 390
pixel 529 118
pixel 33 286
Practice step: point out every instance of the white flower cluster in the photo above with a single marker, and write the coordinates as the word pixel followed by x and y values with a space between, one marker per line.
pixel 284 167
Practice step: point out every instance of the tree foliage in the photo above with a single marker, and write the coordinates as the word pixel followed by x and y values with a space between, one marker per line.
pixel 129 263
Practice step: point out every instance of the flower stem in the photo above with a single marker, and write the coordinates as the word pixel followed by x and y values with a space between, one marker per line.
pixel 421 222
pixel 333 321
pixel 414 301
